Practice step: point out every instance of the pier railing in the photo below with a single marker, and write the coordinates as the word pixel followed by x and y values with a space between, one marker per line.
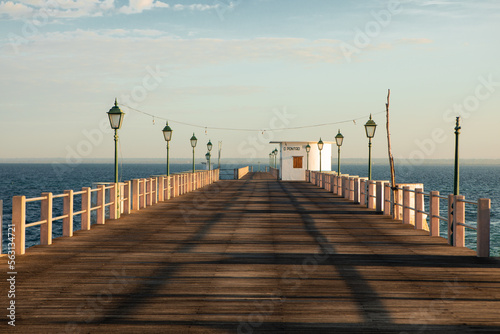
pixel 274 172
pixel 121 198
pixel 408 205
pixel 240 172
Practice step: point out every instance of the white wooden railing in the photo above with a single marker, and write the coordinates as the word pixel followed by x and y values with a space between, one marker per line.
pixel 240 172
pixel 399 204
pixel 121 198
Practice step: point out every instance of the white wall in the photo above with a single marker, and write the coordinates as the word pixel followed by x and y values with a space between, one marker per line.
pixel 288 150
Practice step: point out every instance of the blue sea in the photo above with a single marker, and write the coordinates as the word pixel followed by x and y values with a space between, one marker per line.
pixel 476 181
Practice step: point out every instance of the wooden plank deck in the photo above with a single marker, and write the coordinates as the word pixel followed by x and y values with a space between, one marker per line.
pixel 251 256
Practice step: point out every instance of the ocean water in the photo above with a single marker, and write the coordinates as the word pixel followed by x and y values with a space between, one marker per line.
pixel 31 180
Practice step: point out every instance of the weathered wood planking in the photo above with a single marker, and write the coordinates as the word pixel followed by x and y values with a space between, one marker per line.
pixel 254 255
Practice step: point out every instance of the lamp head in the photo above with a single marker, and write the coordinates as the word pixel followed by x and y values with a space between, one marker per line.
pixel 370 127
pixel 193 141
pixel 115 116
pixel 339 139
pixel 167 132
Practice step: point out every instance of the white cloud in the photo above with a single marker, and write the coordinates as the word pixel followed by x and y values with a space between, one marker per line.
pixel 45 9
pixel 195 7
pixel 14 10
pixel 138 6
pixel 26 9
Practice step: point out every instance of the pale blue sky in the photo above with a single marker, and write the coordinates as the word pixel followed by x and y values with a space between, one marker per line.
pixel 248 64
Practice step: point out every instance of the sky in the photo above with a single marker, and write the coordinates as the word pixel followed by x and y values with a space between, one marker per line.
pixel 246 72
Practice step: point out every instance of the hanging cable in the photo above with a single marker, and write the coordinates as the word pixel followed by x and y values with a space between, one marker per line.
pixel 246 129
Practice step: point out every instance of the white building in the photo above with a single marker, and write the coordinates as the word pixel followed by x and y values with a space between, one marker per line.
pixel 293 161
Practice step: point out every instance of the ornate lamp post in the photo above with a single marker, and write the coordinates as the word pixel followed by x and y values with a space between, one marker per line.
pixel 308 149
pixel 193 145
pixel 370 128
pixel 207 156
pixel 456 183
pixel 275 155
pixel 167 134
pixel 339 139
pixel 209 147
pixel 270 159
pixel 115 120
pixel 320 147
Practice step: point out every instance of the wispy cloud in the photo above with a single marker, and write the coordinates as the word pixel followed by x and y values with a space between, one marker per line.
pixel 67 9
pixel 138 6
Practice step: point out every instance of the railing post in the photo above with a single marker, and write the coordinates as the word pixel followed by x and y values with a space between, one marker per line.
pixel 155 190
pixel 1 225
pixel 356 190
pixel 68 211
pixel 161 188
pixel 406 205
pixel 113 199
pixel 135 194
pixel 86 205
pixel 101 200
pixel 451 204
pixel 397 198
pixel 46 214
pixel 143 192
pixel 379 200
pixel 433 213
pixel 345 185
pixel 483 227
pixel 352 194
pixel 362 191
pixel 126 196
pixel 168 188
pixel 176 185
pixel 387 199
pixel 459 230
pixel 371 194
pixel 19 223
pixel 419 206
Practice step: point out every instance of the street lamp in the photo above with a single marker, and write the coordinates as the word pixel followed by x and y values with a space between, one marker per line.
pixel 207 156
pixel 115 120
pixel 167 133
pixel 308 149
pixel 320 147
pixel 193 145
pixel 275 155
pixel 370 128
pixel 270 159
pixel 339 139
pixel 209 147
pixel 456 181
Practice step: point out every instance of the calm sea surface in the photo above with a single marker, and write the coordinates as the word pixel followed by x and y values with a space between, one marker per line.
pixel 33 179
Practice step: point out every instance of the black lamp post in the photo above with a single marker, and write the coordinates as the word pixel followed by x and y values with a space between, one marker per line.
pixel 207 156
pixel 115 120
pixel 456 183
pixel 193 145
pixel 320 147
pixel 167 134
pixel 308 149
pixel 339 139
pixel 370 128
pixel 209 147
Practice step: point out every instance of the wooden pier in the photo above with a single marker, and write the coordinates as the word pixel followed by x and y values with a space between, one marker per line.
pixel 250 256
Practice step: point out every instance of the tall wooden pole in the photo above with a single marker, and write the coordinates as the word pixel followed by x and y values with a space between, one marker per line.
pixel 391 158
